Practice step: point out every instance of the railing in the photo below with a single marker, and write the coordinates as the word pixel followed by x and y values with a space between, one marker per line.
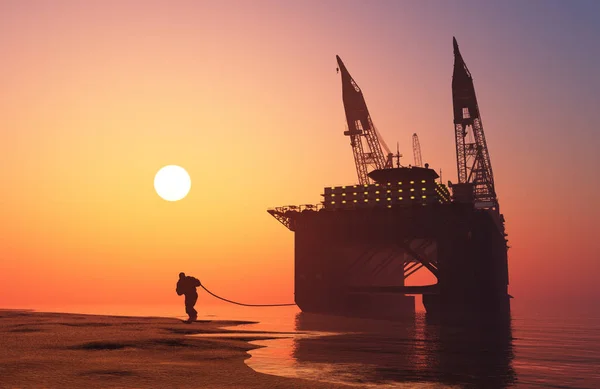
pixel 282 214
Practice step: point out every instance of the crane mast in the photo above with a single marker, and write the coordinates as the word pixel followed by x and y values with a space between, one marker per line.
pixel 417 151
pixel 472 155
pixel 364 138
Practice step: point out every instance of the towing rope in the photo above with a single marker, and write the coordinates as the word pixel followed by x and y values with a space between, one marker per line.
pixel 245 305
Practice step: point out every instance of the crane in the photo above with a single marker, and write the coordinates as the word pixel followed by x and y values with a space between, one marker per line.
pixel 417 151
pixel 472 155
pixel 367 145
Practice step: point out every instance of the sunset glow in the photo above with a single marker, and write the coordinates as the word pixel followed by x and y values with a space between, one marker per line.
pixel 97 96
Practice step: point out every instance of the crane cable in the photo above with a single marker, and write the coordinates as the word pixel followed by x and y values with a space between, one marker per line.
pixel 245 305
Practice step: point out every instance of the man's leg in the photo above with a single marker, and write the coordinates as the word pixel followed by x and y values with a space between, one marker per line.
pixel 189 306
pixel 194 314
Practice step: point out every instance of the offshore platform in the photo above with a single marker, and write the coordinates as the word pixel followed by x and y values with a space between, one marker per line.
pixel 355 250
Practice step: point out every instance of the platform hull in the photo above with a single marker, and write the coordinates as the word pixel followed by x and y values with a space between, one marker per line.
pixel 338 251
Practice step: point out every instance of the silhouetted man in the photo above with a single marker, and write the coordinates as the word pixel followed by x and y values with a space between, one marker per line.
pixel 187 286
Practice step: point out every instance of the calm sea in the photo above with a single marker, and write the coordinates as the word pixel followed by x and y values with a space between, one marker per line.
pixel 528 351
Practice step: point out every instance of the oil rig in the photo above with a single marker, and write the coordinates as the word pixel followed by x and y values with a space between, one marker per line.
pixel 355 250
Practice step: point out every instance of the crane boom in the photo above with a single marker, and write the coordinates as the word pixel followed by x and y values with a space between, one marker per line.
pixel 364 139
pixel 417 151
pixel 472 155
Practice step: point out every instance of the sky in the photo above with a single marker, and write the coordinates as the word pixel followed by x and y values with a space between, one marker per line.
pixel 98 96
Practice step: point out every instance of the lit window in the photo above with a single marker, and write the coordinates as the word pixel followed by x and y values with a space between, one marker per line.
pixel 344 194
pixel 333 195
pixel 333 202
pixel 400 190
pixel 366 200
pixel 354 193
pixel 399 198
pixel 389 206
pixel 412 197
pixel 389 199
pixel 354 200
pixel 412 189
pixel 344 201
pixel 366 186
pixel 343 187
pixel 389 183
pixel 424 197
pixel 354 186
pixel 376 199
pixel 423 181
pixel 412 182
pixel 466 114
pixel 376 192
pixel 376 184
pixel 400 183
pixel 389 191
pixel 366 193
pixel 423 188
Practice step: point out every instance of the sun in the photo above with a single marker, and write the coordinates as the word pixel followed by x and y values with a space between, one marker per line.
pixel 172 183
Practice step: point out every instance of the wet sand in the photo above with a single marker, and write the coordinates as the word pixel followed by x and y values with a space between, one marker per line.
pixel 59 350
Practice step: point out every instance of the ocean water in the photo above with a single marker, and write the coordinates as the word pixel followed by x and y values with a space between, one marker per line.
pixel 528 350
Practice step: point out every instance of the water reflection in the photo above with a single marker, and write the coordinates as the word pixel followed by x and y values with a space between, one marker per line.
pixel 364 352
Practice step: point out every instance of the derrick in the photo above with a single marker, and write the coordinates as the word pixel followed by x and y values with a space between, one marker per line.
pixel 417 151
pixel 472 155
pixel 367 147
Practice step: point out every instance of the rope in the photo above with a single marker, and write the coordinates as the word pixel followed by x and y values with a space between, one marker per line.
pixel 245 305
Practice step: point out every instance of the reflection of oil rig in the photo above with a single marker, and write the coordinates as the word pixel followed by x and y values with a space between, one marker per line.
pixel 464 353
pixel 354 251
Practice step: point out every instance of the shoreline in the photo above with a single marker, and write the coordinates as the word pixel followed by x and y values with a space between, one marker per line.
pixel 69 350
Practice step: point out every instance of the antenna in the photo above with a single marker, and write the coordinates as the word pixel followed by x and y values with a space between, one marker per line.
pixel 398 155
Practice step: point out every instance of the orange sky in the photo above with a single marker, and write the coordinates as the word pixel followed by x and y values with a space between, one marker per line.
pixel 244 95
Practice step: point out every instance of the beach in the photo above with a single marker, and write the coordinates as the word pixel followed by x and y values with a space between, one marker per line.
pixel 61 350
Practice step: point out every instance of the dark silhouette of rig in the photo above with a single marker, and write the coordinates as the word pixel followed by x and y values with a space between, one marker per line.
pixel 354 251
